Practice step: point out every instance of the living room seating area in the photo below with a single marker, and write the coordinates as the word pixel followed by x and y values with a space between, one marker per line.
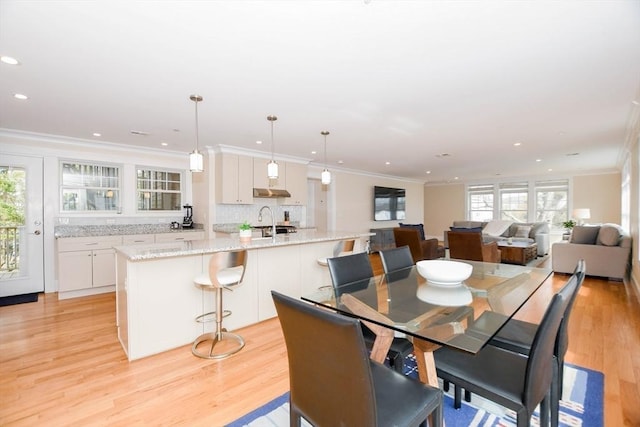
pixel 503 231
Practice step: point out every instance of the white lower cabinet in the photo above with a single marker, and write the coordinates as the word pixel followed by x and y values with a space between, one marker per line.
pixel 86 263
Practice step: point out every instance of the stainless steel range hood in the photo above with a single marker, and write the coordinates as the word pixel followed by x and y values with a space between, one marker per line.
pixel 270 193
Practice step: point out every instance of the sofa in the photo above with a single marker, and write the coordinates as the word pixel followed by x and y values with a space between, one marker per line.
pixel 531 232
pixel 605 248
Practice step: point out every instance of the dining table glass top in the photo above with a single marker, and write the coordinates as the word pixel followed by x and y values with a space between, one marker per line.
pixel 400 301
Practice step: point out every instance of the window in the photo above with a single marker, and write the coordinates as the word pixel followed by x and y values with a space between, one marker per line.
pixel 552 202
pixel 89 187
pixel 514 197
pixel 158 190
pixel 480 202
pixel 520 201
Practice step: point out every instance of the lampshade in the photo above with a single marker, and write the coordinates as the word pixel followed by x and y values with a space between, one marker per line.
pixel 582 213
pixel 326 175
pixel 272 167
pixel 196 161
pixel 272 170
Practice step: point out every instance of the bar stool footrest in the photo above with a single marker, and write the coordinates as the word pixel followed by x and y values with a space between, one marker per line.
pixel 216 338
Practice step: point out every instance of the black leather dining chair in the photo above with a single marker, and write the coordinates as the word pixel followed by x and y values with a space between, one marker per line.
pixel 517 336
pixel 396 258
pixel 510 379
pixel 334 383
pixel 356 271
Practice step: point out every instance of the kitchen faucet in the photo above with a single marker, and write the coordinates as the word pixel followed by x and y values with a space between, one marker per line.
pixel 273 221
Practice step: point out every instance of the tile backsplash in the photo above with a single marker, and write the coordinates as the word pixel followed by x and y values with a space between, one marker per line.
pixel 236 214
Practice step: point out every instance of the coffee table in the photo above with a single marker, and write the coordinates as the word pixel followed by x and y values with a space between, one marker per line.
pixel 517 252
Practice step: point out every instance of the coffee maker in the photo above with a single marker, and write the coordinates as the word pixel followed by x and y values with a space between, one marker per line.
pixel 187 221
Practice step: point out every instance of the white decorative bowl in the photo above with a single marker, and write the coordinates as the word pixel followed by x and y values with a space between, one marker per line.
pixel 444 282
pixel 443 272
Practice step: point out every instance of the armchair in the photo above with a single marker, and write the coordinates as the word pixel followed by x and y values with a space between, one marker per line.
pixel 469 246
pixel 420 249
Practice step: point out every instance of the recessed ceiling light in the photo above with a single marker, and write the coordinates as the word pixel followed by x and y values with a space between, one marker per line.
pixel 139 132
pixel 340 162
pixel 517 144
pixel 549 170
pixel 97 134
pixel 634 102
pixel 20 96
pixel 314 152
pixel 538 160
pixel 164 144
pixel 258 142
pixel 441 155
pixel 573 154
pixel 9 60
pixel 387 163
pixel 455 177
pixel 428 172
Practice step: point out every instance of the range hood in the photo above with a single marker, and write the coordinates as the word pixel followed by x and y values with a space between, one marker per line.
pixel 270 193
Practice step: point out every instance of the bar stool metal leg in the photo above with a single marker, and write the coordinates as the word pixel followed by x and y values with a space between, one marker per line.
pixel 218 336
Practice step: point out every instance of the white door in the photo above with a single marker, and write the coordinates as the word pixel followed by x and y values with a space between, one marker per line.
pixel 21 216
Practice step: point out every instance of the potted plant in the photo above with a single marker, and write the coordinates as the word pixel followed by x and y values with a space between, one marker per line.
pixel 568 226
pixel 245 232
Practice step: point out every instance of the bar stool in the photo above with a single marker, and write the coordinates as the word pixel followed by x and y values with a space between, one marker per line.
pixel 343 247
pixel 226 270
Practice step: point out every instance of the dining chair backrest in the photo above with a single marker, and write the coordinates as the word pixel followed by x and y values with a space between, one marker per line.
pixel 329 368
pixel 540 363
pixel 562 341
pixel 350 269
pixel 396 258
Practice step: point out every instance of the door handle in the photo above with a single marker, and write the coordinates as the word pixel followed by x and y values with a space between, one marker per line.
pixel 37 232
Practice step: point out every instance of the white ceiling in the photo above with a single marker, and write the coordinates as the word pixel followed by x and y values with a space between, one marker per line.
pixel 393 81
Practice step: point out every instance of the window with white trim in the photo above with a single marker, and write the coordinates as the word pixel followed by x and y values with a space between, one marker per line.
pixel 158 190
pixel 552 202
pixel 514 201
pixel 89 187
pixel 480 202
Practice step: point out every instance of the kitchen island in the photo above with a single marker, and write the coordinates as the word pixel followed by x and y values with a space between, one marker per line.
pixel 157 301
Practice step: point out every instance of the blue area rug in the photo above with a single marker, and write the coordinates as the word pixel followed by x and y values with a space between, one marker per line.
pixel 583 405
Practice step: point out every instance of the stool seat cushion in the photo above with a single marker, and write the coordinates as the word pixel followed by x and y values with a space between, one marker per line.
pixel 202 279
pixel 226 277
pixel 229 276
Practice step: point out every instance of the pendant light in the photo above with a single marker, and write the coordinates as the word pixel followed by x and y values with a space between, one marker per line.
pixel 272 167
pixel 326 175
pixel 196 161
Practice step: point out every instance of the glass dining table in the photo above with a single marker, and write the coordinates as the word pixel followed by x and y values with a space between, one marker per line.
pixel 398 304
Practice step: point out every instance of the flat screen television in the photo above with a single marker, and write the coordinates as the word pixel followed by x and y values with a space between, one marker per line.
pixel 388 203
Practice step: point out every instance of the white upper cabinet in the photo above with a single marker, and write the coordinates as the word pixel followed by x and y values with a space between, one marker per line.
pixel 234 179
pixel 296 184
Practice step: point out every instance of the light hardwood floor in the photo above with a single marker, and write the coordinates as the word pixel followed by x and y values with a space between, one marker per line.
pixel 61 364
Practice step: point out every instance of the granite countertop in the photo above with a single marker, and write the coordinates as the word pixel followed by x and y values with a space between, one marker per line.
pixel 199 247
pixel 117 230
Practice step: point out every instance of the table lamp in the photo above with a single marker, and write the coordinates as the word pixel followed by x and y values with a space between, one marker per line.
pixel 582 214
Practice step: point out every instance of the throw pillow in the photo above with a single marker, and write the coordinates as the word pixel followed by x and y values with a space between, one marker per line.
pixel 584 234
pixel 419 227
pixel 496 227
pixel 609 235
pixel 523 231
pixel 467 230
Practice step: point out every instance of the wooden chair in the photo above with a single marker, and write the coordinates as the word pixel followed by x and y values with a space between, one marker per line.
pixel 469 246
pixel 420 249
pixel 334 383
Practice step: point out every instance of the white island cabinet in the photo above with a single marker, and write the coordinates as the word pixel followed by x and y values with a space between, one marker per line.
pixel 157 301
